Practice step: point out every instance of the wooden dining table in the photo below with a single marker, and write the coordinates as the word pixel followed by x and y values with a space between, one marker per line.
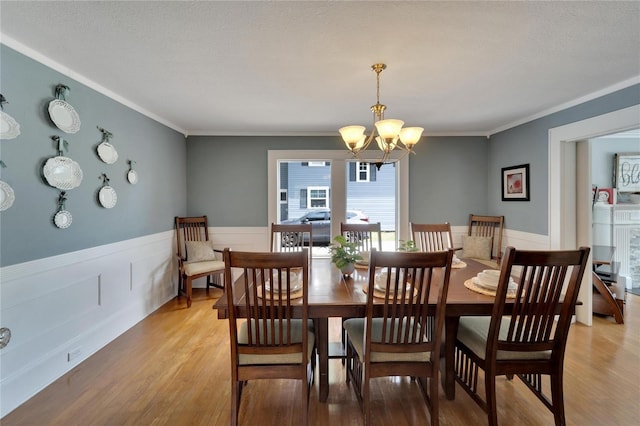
pixel 333 295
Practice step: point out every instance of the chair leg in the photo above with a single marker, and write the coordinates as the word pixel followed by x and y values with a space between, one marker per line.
pixel 433 399
pixel 305 401
pixel 557 398
pixel 490 395
pixel 235 402
pixel 188 291
pixel 365 400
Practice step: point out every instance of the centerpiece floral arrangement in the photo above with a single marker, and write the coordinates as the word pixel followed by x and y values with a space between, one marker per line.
pixel 344 254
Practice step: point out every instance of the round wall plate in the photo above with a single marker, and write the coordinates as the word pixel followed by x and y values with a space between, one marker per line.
pixel 63 219
pixel 132 177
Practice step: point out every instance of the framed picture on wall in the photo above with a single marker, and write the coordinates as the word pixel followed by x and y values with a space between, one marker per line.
pixel 515 183
pixel 627 172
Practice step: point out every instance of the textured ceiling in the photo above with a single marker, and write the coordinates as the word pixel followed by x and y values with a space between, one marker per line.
pixel 277 68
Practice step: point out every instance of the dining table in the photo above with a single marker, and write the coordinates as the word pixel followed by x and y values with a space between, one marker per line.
pixel 332 294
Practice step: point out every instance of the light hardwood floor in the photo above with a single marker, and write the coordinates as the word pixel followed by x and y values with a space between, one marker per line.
pixel 173 369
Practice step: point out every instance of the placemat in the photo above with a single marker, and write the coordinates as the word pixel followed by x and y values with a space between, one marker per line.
pixel 361 265
pixel 294 294
pixel 511 294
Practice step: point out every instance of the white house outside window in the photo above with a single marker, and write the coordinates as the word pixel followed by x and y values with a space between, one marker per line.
pixel 363 172
pixel 318 197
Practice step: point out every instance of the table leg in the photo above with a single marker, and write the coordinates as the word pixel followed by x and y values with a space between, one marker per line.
pixel 322 342
pixel 448 378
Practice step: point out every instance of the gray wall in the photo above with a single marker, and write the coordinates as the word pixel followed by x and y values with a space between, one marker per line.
pixel 529 143
pixel 226 177
pixel 27 231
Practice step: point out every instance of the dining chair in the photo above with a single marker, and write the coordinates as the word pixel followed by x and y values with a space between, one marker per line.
pixel 291 237
pixel 196 256
pixel 366 235
pixel 400 335
pixel 484 239
pixel 270 332
pixel 432 236
pixel 530 341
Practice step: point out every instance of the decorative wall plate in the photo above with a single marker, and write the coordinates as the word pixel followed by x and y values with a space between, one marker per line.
pixel 64 116
pixel 107 197
pixel 62 173
pixel 7 197
pixel 63 219
pixel 9 128
pixel 132 177
pixel 107 153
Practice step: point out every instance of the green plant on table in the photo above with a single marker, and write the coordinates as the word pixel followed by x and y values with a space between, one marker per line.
pixel 344 252
pixel 408 245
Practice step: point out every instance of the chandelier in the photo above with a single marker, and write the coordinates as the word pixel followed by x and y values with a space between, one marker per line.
pixel 389 132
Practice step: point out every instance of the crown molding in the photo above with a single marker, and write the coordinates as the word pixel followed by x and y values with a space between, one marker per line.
pixel 45 60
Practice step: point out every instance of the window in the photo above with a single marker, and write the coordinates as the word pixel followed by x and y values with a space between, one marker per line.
pixel 337 183
pixel 363 172
pixel 283 196
pixel 318 196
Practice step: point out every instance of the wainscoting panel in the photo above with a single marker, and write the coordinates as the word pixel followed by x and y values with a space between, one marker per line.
pixel 62 309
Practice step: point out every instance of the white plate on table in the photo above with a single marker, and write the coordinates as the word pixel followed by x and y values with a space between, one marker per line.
pixel 9 128
pixel 62 173
pixel 7 197
pixel 295 285
pixel 107 197
pixel 64 116
pixel 107 153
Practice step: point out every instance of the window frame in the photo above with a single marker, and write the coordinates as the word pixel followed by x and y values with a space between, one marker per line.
pixel 338 188
pixel 327 197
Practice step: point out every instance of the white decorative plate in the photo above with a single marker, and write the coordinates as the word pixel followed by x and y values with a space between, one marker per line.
pixel 107 153
pixel 7 196
pixel 132 177
pixel 63 219
pixel 64 116
pixel 107 197
pixel 9 128
pixel 62 173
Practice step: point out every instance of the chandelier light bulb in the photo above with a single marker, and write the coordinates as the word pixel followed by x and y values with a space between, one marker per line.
pixel 389 128
pixel 352 135
pixel 410 136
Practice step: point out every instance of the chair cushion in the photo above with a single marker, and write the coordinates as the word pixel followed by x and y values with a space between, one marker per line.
pixel 473 331
pixel 196 268
pixel 296 337
pixel 199 251
pixel 478 247
pixel 355 328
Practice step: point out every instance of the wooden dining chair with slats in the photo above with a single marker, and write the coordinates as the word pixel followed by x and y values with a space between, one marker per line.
pixel 291 237
pixel 530 341
pixel 366 235
pixel 269 338
pixel 196 256
pixel 432 236
pixel 400 335
pixel 484 239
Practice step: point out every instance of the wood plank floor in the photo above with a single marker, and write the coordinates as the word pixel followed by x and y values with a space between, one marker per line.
pixel 173 369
